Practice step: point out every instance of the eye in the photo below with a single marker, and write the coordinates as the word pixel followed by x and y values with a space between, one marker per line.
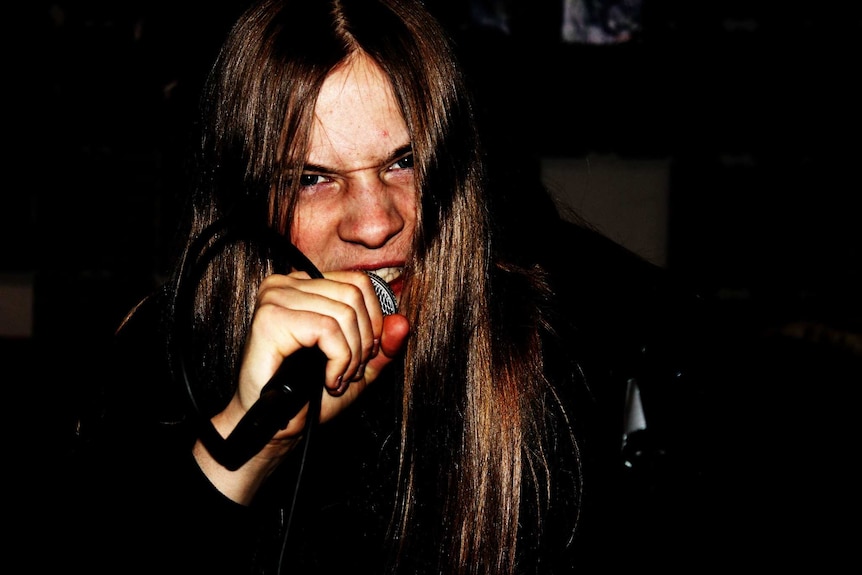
pixel 309 180
pixel 405 163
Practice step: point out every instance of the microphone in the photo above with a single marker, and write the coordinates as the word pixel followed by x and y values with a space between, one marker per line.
pixel 384 294
pixel 299 376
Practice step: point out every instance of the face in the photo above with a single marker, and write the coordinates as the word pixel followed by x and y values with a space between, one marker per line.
pixel 357 205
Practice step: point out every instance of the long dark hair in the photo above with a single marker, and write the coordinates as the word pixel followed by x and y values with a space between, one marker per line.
pixel 475 426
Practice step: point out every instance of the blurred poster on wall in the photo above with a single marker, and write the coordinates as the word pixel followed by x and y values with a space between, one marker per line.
pixel 492 14
pixel 593 22
pixel 600 21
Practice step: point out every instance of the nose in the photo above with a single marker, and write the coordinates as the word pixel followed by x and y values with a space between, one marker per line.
pixel 373 211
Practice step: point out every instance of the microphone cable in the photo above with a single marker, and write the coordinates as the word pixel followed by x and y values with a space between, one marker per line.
pixel 235 450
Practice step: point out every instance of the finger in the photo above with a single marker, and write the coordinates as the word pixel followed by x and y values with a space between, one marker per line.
pixel 348 297
pixel 369 312
pixel 396 329
pixel 343 319
pixel 278 333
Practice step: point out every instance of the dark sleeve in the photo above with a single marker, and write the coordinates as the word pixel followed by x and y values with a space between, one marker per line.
pixel 132 495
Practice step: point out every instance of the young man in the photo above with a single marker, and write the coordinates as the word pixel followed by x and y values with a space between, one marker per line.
pixel 440 438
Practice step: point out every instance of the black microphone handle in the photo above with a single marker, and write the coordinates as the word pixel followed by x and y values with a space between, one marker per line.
pixel 291 387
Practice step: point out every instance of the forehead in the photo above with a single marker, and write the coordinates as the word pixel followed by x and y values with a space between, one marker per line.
pixel 357 120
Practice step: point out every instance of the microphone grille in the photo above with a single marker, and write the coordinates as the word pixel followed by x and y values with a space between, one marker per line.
pixel 384 294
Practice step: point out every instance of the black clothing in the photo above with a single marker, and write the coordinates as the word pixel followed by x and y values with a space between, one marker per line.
pixel 136 496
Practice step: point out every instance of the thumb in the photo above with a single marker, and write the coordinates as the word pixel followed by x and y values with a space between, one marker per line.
pixel 396 328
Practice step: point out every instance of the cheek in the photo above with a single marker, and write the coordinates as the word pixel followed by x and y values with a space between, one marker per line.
pixel 409 211
pixel 311 231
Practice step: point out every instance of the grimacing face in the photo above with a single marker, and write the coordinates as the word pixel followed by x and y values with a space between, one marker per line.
pixel 357 203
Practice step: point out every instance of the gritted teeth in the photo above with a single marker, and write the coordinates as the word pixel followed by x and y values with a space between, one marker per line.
pixel 388 274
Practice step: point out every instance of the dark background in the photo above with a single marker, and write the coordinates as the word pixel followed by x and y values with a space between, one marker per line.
pixel 755 103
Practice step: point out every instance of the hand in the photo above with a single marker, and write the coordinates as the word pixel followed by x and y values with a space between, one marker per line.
pixel 339 314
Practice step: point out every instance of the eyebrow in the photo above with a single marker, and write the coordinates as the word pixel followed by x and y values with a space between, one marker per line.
pixel 395 155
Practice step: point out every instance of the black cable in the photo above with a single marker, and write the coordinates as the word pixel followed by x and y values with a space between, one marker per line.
pixel 310 423
pixel 279 402
pixel 297 379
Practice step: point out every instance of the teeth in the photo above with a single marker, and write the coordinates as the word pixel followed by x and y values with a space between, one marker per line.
pixel 388 274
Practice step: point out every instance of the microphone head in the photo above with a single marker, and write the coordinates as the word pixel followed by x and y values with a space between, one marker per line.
pixel 384 293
